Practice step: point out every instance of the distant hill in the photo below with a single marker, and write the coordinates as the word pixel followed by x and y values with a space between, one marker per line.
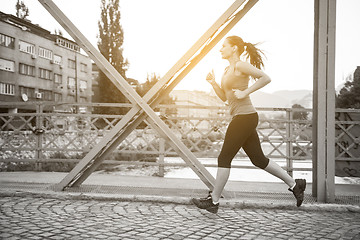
pixel 306 101
pixel 278 99
pixel 262 99
pixel 293 96
pixel 283 98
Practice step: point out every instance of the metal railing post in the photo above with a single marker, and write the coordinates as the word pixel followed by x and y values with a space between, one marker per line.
pixel 161 157
pixel 162 148
pixel 38 133
pixel 289 142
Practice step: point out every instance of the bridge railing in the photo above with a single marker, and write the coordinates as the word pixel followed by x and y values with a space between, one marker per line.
pixel 65 132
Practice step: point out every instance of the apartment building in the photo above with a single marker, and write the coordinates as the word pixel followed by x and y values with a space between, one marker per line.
pixel 36 65
pixel 202 100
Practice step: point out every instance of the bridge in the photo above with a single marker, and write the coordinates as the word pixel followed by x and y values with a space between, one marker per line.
pixel 323 120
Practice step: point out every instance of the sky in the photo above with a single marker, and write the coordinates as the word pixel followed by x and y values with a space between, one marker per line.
pixel 158 33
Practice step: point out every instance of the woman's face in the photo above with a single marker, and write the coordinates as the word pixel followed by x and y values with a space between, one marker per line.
pixel 227 50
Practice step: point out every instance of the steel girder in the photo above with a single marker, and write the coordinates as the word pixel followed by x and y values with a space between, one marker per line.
pixel 143 107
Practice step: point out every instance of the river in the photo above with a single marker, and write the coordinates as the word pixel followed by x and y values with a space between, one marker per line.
pixel 251 175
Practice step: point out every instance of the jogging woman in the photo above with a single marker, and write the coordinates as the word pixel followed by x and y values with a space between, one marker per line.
pixel 241 132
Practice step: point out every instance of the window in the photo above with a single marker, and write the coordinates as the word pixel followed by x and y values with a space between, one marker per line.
pixel 46 95
pixel 66 44
pixel 57 59
pixel 26 69
pixel 45 53
pixel 57 78
pixel 83 85
pixel 7 41
pixel 7 65
pixel 71 82
pixel 44 73
pixel 7 89
pixel 27 47
pixel 30 92
pixel 71 98
pixel 57 97
pixel 71 64
pixel 83 67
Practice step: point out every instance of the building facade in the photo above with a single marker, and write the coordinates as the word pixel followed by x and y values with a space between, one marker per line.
pixel 199 99
pixel 36 65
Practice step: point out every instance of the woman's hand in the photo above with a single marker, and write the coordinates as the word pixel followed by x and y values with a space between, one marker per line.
pixel 239 94
pixel 210 77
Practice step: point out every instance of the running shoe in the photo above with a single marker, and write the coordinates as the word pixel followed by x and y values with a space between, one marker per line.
pixel 206 203
pixel 298 191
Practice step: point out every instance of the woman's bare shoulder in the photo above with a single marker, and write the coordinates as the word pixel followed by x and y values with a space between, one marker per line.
pixel 242 65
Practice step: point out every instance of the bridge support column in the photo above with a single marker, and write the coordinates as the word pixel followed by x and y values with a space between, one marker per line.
pixel 324 101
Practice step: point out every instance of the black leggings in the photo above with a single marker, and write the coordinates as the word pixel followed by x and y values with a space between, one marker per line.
pixel 242 132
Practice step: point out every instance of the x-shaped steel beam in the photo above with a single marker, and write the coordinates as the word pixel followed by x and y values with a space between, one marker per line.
pixel 143 107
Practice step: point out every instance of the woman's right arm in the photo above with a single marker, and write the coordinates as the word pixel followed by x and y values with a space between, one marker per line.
pixel 218 90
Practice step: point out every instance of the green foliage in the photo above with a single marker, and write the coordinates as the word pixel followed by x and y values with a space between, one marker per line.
pixel 349 95
pixel 58 32
pixel 111 35
pixel 22 11
pixel 151 80
pixel 299 115
pixel 110 41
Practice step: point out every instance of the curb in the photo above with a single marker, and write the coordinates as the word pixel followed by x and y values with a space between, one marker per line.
pixel 233 203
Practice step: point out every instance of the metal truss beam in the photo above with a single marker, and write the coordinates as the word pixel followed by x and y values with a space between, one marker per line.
pixel 141 107
pixel 129 128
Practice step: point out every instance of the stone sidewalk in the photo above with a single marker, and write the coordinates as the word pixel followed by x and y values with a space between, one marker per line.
pixel 29 217
pixel 129 207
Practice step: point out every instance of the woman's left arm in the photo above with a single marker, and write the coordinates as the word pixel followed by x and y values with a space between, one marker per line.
pixel 248 69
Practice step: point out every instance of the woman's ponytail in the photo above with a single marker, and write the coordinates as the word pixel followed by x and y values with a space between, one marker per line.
pixel 254 55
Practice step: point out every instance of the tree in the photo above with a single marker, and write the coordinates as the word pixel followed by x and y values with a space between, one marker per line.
pixel 22 11
pixel 151 80
pixel 349 95
pixel 110 41
pixel 58 32
pixel 299 115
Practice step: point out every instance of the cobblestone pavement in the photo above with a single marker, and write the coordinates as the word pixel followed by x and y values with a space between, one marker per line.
pixel 49 218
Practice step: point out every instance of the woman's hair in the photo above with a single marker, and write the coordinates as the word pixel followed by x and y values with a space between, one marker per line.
pixel 252 53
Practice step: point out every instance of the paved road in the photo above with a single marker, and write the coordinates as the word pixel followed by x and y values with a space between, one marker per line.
pixel 49 218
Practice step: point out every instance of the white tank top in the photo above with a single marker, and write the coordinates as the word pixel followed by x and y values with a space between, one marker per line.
pixel 232 81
